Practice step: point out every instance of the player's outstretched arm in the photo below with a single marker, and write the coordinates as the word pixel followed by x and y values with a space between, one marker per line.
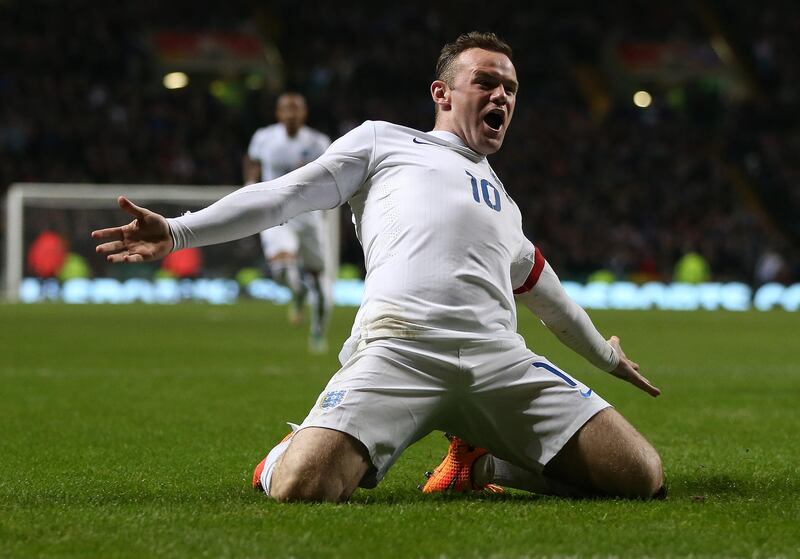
pixel 145 238
pixel 251 170
pixel 245 212
pixel 547 299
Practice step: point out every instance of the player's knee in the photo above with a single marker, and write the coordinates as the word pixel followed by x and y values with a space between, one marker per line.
pixel 655 475
pixel 283 258
pixel 646 478
pixel 307 485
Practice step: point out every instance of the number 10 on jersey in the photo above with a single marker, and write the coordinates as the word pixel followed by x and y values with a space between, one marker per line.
pixel 484 189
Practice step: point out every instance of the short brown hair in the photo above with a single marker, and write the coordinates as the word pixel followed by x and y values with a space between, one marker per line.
pixel 445 66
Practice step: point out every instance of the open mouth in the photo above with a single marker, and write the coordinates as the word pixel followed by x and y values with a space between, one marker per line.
pixel 494 119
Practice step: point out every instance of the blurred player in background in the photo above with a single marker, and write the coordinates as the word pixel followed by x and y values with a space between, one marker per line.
pixel 434 345
pixel 295 251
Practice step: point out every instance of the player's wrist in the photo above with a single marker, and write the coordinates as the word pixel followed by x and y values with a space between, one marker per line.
pixel 613 359
pixel 173 238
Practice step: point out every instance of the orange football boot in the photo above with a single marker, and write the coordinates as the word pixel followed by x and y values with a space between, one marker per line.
pixel 454 474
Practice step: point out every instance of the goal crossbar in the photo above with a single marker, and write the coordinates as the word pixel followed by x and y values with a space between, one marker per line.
pixel 83 196
pixel 70 196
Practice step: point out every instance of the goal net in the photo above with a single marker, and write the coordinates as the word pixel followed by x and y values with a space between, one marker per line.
pixel 69 212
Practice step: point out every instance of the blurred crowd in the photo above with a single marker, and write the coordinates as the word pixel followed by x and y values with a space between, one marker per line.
pixel 766 137
pixel 629 192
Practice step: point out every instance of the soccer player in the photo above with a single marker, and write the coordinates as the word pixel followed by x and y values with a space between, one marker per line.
pixel 434 345
pixel 296 248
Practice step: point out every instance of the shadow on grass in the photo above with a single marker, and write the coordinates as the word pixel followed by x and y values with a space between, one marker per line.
pixel 698 486
pixel 707 484
pixel 408 496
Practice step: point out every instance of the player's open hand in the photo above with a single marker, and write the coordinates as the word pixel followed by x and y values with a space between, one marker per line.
pixel 629 371
pixel 145 238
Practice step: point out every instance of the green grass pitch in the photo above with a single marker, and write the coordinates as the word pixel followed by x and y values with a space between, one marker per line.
pixel 132 431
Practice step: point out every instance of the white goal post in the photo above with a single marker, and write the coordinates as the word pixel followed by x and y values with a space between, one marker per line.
pixel 70 196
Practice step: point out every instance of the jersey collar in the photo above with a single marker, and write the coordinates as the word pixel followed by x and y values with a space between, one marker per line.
pixel 448 137
pixel 451 138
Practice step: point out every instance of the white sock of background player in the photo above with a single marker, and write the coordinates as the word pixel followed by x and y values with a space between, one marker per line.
pixel 287 272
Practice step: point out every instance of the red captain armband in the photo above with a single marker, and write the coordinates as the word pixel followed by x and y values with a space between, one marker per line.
pixel 533 277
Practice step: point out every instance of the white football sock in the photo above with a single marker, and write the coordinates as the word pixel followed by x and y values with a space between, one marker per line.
pixel 287 272
pixel 488 469
pixel 272 459
pixel 320 305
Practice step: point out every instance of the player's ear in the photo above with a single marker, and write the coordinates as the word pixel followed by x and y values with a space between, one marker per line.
pixel 440 93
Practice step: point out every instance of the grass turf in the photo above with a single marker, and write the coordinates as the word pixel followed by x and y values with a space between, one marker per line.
pixel 132 431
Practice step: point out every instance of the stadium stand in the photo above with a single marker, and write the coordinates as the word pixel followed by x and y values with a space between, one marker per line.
pixel 711 166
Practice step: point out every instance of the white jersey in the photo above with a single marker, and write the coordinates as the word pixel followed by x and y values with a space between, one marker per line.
pixel 443 241
pixel 280 153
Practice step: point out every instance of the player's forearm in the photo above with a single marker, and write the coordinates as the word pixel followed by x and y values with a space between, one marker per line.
pixel 251 170
pixel 256 207
pixel 568 321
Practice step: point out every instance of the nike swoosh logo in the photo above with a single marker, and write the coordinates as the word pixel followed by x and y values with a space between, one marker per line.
pixel 586 394
pixel 416 141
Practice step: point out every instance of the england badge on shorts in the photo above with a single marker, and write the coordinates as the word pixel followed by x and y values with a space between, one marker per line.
pixel 332 398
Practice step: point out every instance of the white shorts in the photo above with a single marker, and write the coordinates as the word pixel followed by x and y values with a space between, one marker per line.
pixel 301 235
pixel 495 394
